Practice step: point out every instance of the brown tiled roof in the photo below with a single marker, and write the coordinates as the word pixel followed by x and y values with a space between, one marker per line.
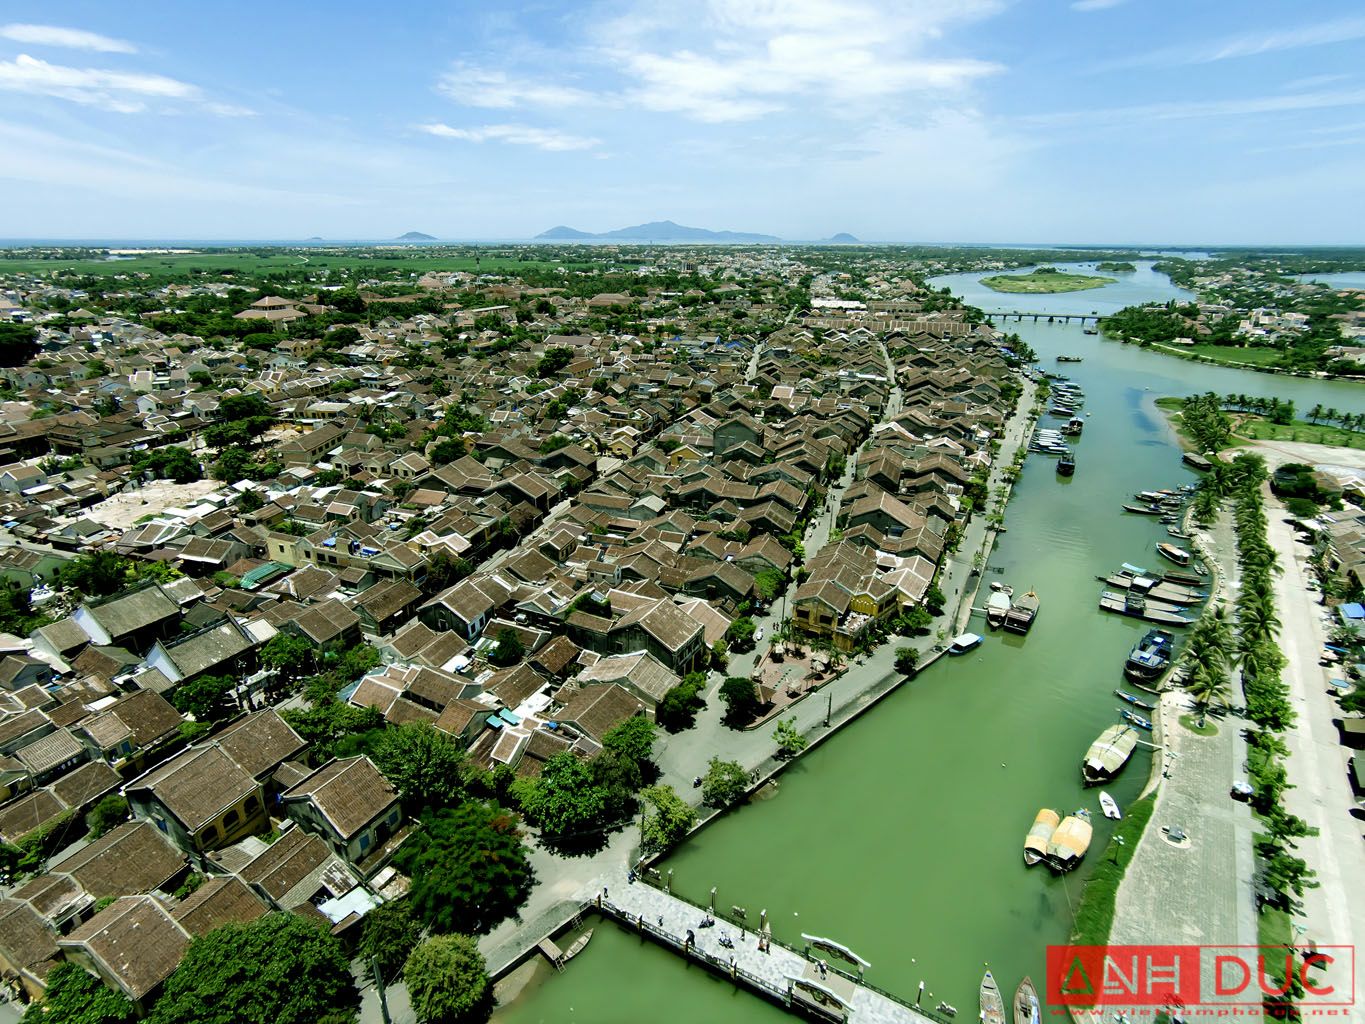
pixel 197 784
pixel 136 940
pixel 217 902
pixel 25 940
pixel 133 858
pixel 260 742
pixel 349 793
pixel 599 708
pixel 20 817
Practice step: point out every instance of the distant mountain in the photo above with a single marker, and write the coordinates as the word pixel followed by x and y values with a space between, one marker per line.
pixel 842 238
pixel 416 236
pixel 660 231
pixel 564 232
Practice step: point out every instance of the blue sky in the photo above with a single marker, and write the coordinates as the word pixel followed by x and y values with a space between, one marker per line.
pixel 918 120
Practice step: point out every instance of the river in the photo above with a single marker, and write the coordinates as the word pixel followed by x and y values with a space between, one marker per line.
pixel 902 835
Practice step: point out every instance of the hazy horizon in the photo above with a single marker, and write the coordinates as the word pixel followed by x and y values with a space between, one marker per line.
pixel 977 120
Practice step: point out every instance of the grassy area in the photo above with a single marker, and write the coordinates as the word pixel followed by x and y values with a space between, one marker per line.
pixel 1257 428
pixel 1192 724
pixel 1228 354
pixel 1171 407
pixel 1274 928
pixel 372 260
pixel 1095 914
pixel 1038 283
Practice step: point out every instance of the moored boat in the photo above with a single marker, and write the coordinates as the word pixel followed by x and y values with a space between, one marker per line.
pixel 1135 718
pixel 997 607
pixel 1110 806
pixel 1142 510
pixel 1195 577
pixel 1019 619
pixel 965 642
pixel 1027 1009
pixel 1176 554
pixel 1150 656
pixel 1070 841
pixel 1196 461
pixel 1136 606
pixel 992 1005
pixel 1108 754
pixel 577 946
pixel 1040 834
pixel 1069 359
pixel 1133 699
pixel 1066 465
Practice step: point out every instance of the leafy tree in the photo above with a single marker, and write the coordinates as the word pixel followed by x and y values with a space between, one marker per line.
pixel 633 740
pixel 204 697
pixel 77 997
pixel 740 635
pixel 553 443
pixel 172 462
pixel 678 710
pixel 906 660
pixel 96 574
pixel 288 654
pixel 447 980
pixel 242 407
pixel 509 649
pixel 18 344
pixel 449 450
pixel 724 783
pixel 934 600
pixel 554 360
pixel 469 868
pixel 390 933
pixel 327 723
pixel 108 814
pixel 424 764
pixel 234 463
pixel 667 818
pixel 16 611
pixel 768 583
pixel 741 700
pixel 1286 873
pixel 444 570
pixel 789 740
pixel 280 968
pixel 565 802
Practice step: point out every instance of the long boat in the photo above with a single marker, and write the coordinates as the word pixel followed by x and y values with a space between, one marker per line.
pixel 1019 619
pixel 997 607
pixel 1196 461
pixel 1108 754
pixel 992 1006
pixel 1195 577
pixel 1039 835
pixel 1027 1009
pixel 1175 553
pixel 1070 841
pixel 1142 510
pixel 1150 656
pixel 1136 719
pixel 1133 699
pixel 1135 605
pixel 577 946
pixel 1156 588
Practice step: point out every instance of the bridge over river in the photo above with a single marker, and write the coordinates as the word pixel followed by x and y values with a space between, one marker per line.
pixel 828 987
pixel 1048 317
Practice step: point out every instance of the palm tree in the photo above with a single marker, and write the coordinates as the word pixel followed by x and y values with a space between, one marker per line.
pixel 1209 688
pixel 1315 413
pixel 1256 616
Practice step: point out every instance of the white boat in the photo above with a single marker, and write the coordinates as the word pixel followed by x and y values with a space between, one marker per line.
pixel 1110 806
pixel 964 643
pixel 997 607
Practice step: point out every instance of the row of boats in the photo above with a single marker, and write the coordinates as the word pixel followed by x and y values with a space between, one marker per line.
pixel 1160 597
pixel 1014 615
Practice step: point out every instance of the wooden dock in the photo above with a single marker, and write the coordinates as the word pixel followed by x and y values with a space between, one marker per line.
pixel 824 989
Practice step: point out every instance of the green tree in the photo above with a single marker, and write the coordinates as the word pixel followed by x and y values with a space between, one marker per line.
pixel 934 600
pixel 724 783
pixel 789 740
pixel 76 997
pixel 234 463
pixel 444 570
pixel 96 574
pixel 469 868
pixel 740 635
pixel 678 710
pixel 205 698
pixel 768 583
pixel 389 934
pixel 280 968
pixel 667 818
pixel 425 765
pixel 633 740
pixel 906 660
pixel 565 802
pixel 509 649
pixel 108 814
pixel 288 654
pixel 448 981
pixel 741 700
pixel 18 344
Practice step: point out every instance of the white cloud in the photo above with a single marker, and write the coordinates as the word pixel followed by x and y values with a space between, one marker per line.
pixel 1248 44
pixel 515 134
pixel 474 86
pixel 1204 108
pixel 124 92
pixel 1096 5
pixel 73 38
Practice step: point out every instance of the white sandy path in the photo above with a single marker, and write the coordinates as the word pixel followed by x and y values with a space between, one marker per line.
pixel 122 511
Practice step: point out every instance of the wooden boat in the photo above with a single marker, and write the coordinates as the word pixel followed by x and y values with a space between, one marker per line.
pixel 577 946
pixel 1178 555
pixel 1155 589
pixel 1039 835
pixel 1069 359
pixel 1110 806
pixel 997 607
pixel 1019 619
pixel 1135 605
pixel 1150 656
pixel 1070 841
pixel 1142 510
pixel 964 643
pixel 1196 461
pixel 1108 754
pixel 1177 533
pixel 1089 330
pixel 1136 701
pixel 1027 1009
pixel 1135 718
pixel 1074 427
pixel 1066 465
pixel 992 1006
pixel 1194 578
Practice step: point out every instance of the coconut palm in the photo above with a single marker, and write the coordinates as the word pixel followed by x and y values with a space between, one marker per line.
pixel 1210 688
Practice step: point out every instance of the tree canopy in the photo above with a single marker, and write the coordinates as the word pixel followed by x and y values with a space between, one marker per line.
pixel 565 802
pixel 425 765
pixel 76 997
pixel 447 980
pixel 667 818
pixel 725 783
pixel 279 968
pixel 390 933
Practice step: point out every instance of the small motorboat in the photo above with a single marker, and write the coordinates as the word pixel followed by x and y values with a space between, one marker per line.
pixel 1137 702
pixel 964 643
pixel 1134 718
pixel 992 1005
pixel 1110 806
pixel 997 608
pixel 1178 555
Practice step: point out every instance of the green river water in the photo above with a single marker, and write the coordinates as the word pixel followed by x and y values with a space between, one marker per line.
pixel 902 835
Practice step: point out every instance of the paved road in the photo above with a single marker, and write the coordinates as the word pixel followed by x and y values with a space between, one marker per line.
pixel 1334 913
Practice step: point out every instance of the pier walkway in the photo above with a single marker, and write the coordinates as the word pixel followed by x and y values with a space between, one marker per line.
pixel 803 983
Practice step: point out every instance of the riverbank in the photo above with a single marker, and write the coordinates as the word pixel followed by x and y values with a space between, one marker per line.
pixel 1220 355
pixel 1045 282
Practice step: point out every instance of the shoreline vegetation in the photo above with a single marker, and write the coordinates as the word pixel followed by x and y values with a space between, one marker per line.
pixel 1248 425
pixel 1045 281
pixel 1116 266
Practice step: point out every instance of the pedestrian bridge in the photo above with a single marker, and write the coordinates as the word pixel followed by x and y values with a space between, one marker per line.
pixel 1049 317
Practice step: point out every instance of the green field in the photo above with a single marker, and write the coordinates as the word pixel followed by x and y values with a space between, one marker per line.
pixel 1226 354
pixel 1045 282
pixel 163 266
pixel 1258 429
